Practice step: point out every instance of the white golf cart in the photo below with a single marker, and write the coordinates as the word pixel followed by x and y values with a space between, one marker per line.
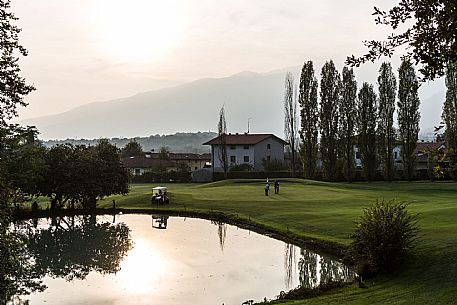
pixel 159 195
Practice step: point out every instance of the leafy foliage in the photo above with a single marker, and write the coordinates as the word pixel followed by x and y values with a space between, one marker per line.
pixel 383 235
pixel 328 119
pixel 430 40
pixel 386 133
pixel 309 115
pixel 13 87
pixel 450 107
pixel 244 167
pixel 222 132
pixel 348 114
pixel 81 174
pixel 408 115
pixel 273 165
pixel 132 149
pixel 366 127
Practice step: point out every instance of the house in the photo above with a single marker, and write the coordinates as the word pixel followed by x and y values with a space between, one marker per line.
pixel 150 162
pixel 138 165
pixel 252 149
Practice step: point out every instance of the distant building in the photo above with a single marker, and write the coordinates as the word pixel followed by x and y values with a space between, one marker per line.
pixel 246 148
pixel 150 162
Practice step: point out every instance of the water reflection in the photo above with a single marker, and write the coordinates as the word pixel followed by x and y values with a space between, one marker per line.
pixel 159 221
pixel 221 232
pixel 315 269
pixel 71 247
pixel 180 265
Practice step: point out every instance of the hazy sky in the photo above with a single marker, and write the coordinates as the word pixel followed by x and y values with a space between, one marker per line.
pixel 93 50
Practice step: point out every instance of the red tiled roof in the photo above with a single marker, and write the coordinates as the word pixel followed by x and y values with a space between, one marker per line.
pixel 243 139
pixel 423 147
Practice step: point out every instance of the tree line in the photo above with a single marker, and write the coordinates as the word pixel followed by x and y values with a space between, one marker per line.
pixel 336 117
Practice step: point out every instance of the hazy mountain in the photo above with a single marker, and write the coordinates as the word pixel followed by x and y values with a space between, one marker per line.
pixel 195 106
pixel 190 107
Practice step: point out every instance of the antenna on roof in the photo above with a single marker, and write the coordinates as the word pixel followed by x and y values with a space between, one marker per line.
pixel 248 123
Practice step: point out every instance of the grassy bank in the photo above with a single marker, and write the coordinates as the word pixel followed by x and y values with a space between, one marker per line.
pixel 325 212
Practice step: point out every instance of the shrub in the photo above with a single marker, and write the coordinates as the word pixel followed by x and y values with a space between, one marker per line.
pixel 384 234
pixel 245 167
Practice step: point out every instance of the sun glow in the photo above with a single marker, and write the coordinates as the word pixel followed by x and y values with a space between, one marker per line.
pixel 137 30
pixel 142 269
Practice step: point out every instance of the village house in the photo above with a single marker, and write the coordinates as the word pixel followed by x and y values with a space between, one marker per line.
pixel 150 162
pixel 252 149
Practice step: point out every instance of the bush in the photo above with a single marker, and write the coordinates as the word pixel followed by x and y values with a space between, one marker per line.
pixel 384 234
pixel 245 167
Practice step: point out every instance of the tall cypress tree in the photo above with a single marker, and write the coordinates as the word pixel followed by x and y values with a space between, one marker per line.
pixel 366 127
pixel 330 97
pixel 449 115
pixel 347 121
pixel 309 114
pixel 386 132
pixel 408 115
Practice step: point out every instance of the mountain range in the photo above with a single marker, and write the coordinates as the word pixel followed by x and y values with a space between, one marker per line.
pixel 195 106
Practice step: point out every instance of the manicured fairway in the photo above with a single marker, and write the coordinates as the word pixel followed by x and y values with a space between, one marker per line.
pixel 326 211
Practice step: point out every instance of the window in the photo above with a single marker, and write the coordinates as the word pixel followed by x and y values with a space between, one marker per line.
pixel 246 146
pixel 357 155
pixel 246 159
pixel 396 154
pixel 232 159
pixel 268 158
pixel 137 172
pixel 268 146
pixel 232 146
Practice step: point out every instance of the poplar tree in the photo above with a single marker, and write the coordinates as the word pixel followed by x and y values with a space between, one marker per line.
pixel 222 132
pixel 309 115
pixel 386 132
pixel 449 115
pixel 366 127
pixel 291 117
pixel 348 114
pixel 408 115
pixel 330 97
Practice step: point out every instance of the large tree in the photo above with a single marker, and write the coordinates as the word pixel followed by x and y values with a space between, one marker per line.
pixel 81 174
pixel 13 87
pixel 450 107
pixel 291 117
pixel 348 112
pixel 428 30
pixel 386 133
pixel 309 115
pixel 408 115
pixel 132 149
pixel 328 115
pixel 366 127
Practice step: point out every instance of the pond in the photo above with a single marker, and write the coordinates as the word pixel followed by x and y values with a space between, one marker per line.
pixel 144 259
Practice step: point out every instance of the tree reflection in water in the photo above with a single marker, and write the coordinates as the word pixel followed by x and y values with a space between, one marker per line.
pixel 313 269
pixel 221 232
pixel 289 264
pixel 69 248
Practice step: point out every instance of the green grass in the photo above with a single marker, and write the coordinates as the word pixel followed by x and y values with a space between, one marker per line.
pixel 327 211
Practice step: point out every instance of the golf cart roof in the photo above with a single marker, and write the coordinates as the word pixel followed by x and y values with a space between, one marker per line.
pixel 159 188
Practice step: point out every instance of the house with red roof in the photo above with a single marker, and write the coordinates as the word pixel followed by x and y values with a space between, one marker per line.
pixel 245 148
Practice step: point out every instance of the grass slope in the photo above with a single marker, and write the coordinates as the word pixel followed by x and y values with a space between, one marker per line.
pixel 326 211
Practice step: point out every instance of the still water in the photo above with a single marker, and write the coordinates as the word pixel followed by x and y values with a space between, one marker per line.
pixel 144 259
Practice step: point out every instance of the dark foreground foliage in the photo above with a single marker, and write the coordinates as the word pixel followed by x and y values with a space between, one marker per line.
pixel 383 235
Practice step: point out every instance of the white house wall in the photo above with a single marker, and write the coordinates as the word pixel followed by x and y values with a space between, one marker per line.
pixel 255 153
pixel 276 151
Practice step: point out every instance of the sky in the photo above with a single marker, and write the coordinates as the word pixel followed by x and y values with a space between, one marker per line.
pixel 96 50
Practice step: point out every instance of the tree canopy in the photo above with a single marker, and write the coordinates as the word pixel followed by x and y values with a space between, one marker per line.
pixel 429 37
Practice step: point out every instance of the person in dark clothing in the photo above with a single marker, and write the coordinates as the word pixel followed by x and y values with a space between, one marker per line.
pixel 276 185
pixel 267 188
